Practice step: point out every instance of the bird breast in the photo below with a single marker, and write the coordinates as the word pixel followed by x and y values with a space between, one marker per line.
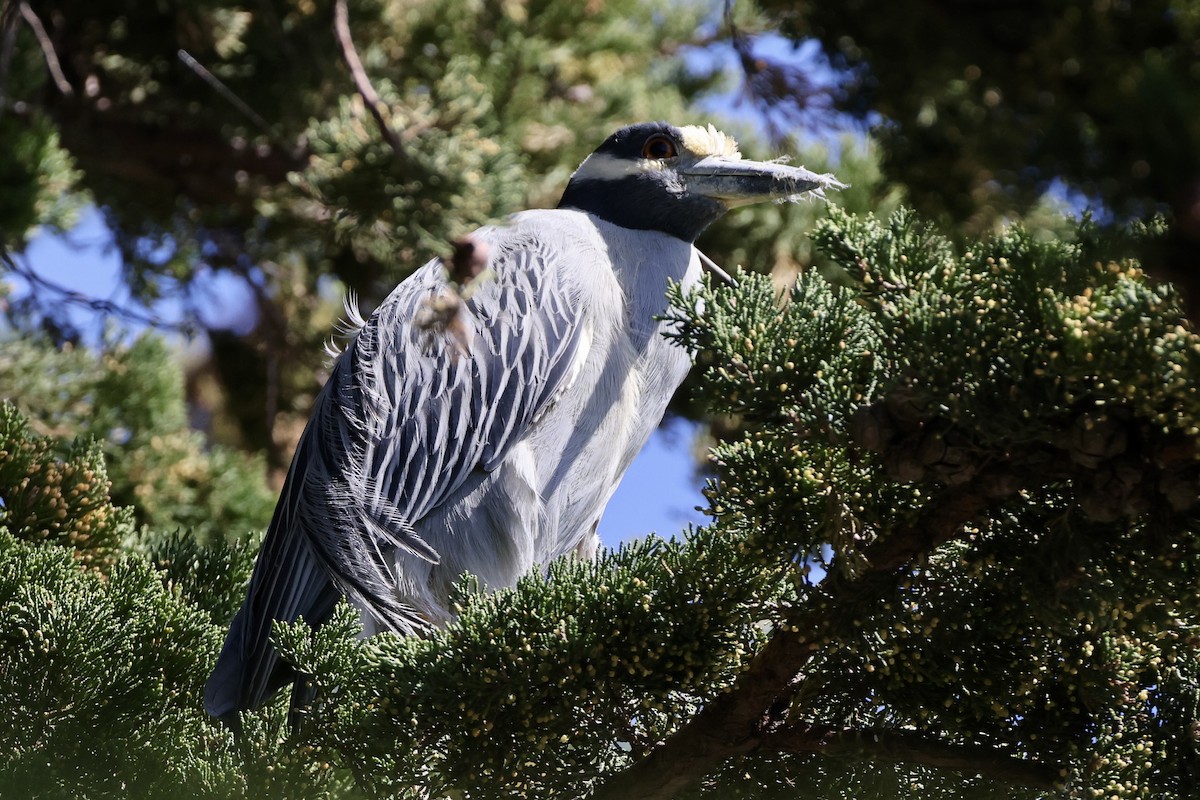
pixel 545 497
pixel 625 377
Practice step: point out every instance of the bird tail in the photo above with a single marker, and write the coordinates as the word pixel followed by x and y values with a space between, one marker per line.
pixel 225 689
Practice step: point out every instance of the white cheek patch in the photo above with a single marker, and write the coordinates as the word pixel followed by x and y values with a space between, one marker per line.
pixel 708 141
pixel 603 167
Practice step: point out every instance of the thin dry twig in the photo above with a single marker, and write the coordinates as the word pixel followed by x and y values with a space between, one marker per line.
pixel 220 88
pixel 341 28
pixel 48 53
pixel 99 305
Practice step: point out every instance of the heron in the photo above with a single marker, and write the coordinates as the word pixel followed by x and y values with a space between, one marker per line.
pixel 494 450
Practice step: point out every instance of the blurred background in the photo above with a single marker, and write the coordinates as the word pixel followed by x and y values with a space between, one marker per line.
pixel 188 191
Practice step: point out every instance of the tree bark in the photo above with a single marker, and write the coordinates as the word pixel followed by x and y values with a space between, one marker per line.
pixel 738 721
pixel 912 747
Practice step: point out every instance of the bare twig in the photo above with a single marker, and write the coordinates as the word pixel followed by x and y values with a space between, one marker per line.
pixel 784 94
pixel 341 28
pixel 220 88
pixel 913 748
pixel 99 305
pixel 56 73
pixel 8 42
pixel 716 270
pixel 735 33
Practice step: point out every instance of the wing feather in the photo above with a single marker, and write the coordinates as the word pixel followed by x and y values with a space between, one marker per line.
pixel 399 427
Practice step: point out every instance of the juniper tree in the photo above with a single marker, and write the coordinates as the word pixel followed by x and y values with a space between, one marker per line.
pixel 951 546
pixel 953 550
pixel 958 535
pixel 128 401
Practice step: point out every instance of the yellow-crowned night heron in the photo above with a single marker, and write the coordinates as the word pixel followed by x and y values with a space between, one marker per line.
pixel 499 451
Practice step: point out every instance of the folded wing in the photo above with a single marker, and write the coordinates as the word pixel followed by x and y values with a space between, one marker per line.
pixel 405 419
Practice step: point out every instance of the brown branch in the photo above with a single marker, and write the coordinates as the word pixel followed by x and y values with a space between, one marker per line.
pixel 729 725
pixel 220 88
pixel 341 28
pixel 910 747
pixel 56 73
pixel 941 520
pixel 62 294
pixel 736 722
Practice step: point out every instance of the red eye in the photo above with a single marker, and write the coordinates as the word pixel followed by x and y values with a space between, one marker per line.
pixel 659 147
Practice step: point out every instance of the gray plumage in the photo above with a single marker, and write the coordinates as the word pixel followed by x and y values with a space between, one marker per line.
pixel 421 462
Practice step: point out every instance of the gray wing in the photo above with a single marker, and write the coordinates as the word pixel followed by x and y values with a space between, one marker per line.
pixel 399 427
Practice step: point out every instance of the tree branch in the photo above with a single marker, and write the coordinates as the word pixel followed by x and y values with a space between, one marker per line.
pixel 736 722
pixel 220 88
pixel 341 29
pixel 942 518
pixel 727 726
pixel 51 57
pixel 912 747
pixel 98 305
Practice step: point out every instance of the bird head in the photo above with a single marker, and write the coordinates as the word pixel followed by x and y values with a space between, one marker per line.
pixel 679 180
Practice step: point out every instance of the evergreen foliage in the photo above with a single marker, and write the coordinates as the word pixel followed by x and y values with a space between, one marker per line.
pixel 986 107
pixel 57 494
pixel 1047 382
pixel 571 672
pixel 129 401
pixel 103 657
pixel 303 196
pixel 37 175
pixel 947 495
pixel 100 684
pixel 959 525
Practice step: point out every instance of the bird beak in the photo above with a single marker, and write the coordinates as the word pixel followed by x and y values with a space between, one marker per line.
pixel 737 182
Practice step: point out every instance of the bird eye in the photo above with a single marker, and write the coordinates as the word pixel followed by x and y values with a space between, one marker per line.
pixel 659 147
